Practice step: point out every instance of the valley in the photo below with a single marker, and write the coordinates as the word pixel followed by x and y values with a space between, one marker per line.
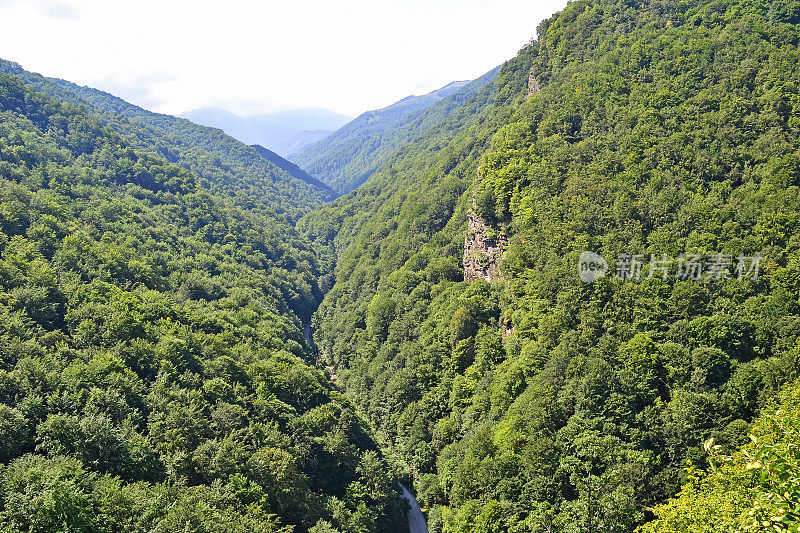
pixel 389 331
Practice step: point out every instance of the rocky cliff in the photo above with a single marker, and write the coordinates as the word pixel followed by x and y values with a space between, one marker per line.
pixel 483 250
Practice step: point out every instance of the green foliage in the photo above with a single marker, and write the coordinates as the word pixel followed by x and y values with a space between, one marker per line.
pixel 153 373
pixel 538 402
pixel 58 494
pixel 755 489
pixel 774 458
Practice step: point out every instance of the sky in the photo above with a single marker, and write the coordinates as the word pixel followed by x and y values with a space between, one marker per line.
pixel 253 57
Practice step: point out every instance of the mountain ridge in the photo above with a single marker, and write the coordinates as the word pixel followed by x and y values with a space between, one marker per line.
pixel 346 158
pixel 653 130
pixel 215 156
pixel 174 389
pixel 283 132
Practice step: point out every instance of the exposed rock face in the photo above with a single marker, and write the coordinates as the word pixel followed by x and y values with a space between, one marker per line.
pixel 483 250
pixel 533 84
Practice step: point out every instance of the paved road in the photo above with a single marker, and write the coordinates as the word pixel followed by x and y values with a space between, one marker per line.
pixel 416 520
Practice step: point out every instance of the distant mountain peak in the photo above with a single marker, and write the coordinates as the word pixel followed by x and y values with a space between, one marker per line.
pixel 283 132
pixel 449 89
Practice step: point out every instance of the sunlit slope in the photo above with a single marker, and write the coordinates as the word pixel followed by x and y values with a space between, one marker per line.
pixel 538 402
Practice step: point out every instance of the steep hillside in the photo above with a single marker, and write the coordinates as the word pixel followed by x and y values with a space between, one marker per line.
pixel 347 158
pixel 295 142
pixel 290 168
pixel 660 130
pixel 214 156
pixel 284 132
pixel 153 371
pixel 754 488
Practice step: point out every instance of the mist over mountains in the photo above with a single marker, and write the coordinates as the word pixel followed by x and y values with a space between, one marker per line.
pixel 283 132
pixel 289 132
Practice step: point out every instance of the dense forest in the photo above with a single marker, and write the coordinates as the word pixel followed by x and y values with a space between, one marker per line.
pixel 154 374
pixel 751 489
pixel 537 402
pixel 157 279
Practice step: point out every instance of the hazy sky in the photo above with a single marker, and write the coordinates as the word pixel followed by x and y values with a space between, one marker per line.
pixel 249 57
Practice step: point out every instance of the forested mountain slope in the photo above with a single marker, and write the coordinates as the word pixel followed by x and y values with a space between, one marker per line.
pixel 348 157
pixel 289 167
pixel 153 372
pixel 755 488
pixel 208 152
pixel 537 402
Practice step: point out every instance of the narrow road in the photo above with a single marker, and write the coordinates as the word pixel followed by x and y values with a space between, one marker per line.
pixel 416 520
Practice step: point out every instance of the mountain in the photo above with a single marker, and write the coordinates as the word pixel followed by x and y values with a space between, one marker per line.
pixel 295 142
pixel 650 146
pixel 566 299
pixel 154 371
pixel 346 159
pixel 284 132
pixel 288 167
pixel 214 156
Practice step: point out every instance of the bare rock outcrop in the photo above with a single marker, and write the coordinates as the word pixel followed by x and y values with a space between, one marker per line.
pixel 533 84
pixel 483 250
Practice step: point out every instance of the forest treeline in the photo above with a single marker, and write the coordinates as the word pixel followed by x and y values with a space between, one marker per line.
pixel 222 162
pixel 348 157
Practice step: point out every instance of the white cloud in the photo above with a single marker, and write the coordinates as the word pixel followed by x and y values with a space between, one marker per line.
pixel 50 8
pixel 348 56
